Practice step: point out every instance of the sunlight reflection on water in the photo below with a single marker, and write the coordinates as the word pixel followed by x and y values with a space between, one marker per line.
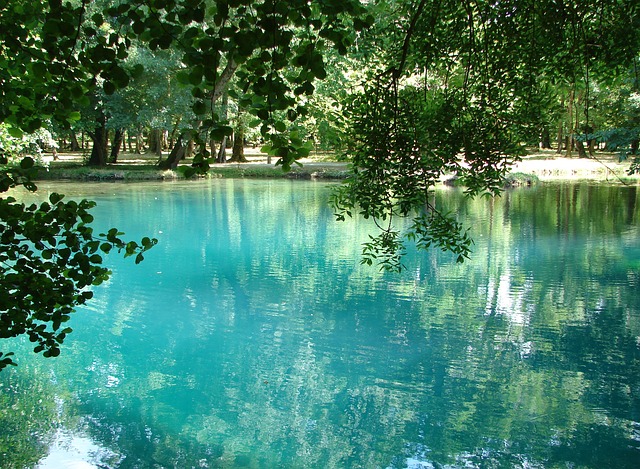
pixel 72 451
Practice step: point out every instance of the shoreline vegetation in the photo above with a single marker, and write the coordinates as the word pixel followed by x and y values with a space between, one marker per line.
pixel 537 166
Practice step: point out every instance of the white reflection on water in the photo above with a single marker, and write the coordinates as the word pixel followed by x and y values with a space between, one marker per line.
pixel 73 451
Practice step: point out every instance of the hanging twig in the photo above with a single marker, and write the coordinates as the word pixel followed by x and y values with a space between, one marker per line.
pixel 407 40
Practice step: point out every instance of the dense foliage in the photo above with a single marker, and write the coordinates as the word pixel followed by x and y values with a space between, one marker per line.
pixel 49 259
pixel 459 88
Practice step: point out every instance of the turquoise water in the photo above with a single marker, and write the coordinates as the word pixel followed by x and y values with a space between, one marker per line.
pixel 251 337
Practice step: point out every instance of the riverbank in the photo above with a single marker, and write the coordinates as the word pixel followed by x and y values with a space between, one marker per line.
pixel 134 167
pixel 546 165
pixel 539 165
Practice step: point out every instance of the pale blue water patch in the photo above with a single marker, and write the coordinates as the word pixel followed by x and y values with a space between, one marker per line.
pixel 252 337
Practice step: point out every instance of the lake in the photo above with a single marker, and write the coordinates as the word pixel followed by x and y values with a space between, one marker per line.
pixel 251 337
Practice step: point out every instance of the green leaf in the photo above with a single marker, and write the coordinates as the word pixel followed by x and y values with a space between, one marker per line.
pixel 118 76
pixel 183 77
pixel 190 172
pixel 108 87
pixel 199 107
pixel 30 186
pixel 195 76
pixel 218 133
pixel 15 132
pixel 73 117
pixel 137 70
pixel 27 162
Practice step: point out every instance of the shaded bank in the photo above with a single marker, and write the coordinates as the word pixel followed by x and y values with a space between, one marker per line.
pixel 541 165
pixel 125 172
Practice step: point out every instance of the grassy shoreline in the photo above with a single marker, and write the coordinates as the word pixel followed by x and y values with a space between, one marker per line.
pixel 538 166
pixel 136 173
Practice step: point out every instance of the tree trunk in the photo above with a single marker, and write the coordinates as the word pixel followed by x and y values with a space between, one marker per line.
pixel 560 134
pixel 545 138
pixel 99 136
pixel 164 140
pixel 118 137
pixel 222 153
pixel 580 147
pixel 212 145
pixel 568 144
pixel 139 144
pixel 152 141
pixel 155 142
pixel 237 153
pixel 191 147
pixel 177 153
pixel 588 136
pixel 223 112
pixel 572 127
pixel 174 132
pixel 74 144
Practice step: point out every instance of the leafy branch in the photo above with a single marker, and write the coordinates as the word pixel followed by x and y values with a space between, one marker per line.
pixel 50 258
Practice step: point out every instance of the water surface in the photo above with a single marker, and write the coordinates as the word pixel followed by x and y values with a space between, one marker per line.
pixel 252 337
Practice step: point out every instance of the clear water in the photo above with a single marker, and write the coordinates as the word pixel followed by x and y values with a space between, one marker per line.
pixel 251 337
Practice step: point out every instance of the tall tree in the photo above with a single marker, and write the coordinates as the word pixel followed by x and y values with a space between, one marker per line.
pixel 275 48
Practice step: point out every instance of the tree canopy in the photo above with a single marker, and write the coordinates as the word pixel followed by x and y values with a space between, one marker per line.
pixel 418 89
pixel 458 88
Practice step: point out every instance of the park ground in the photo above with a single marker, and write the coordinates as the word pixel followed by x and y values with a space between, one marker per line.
pixel 545 165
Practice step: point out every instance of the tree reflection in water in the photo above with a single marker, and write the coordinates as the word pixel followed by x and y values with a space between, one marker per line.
pixel 252 337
